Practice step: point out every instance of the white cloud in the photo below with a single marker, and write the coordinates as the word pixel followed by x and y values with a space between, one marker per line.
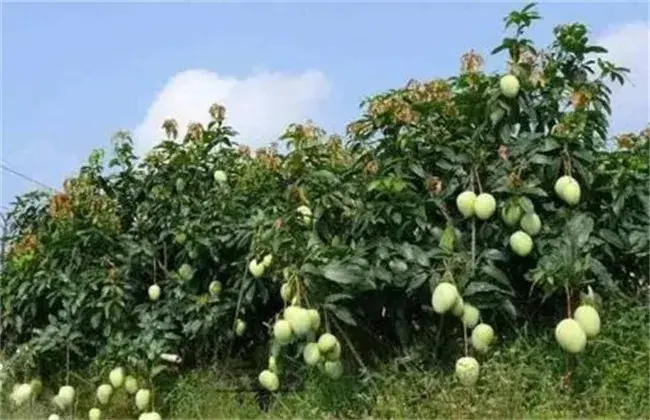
pixel 629 46
pixel 259 107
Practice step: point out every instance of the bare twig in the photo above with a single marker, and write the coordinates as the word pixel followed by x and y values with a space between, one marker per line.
pixel 364 368
pixel 478 180
pixel 465 340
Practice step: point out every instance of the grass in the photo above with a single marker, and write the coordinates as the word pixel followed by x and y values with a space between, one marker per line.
pixel 520 378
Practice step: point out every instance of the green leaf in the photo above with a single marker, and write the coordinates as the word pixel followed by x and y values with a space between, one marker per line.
pixel 509 308
pixel 536 191
pixel 499 49
pixel 542 160
pixel 336 297
pixel 417 170
pixel 338 273
pixel 325 175
pixel 382 274
pixel 421 257
pixel 309 268
pixel 595 49
pixel 497 275
pixel 407 252
pixel 497 115
pixel 383 253
pixel 156 370
pixel 494 255
pixel 550 145
pixel 342 313
pixel 612 238
pixel 180 185
pixel 192 327
pixel 398 266
pixel 374 185
pixel 477 287
pixel 95 320
pixel 602 274
pixel 579 229
pixel 448 239
pixel 417 282
pixel 504 133
pixel 619 203
pixel 527 205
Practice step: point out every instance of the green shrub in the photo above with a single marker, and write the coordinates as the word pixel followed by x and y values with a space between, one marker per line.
pixel 361 230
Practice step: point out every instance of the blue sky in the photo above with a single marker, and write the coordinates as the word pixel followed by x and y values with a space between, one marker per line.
pixel 73 74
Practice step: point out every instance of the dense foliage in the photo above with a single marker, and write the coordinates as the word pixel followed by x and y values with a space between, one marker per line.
pixel 361 229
